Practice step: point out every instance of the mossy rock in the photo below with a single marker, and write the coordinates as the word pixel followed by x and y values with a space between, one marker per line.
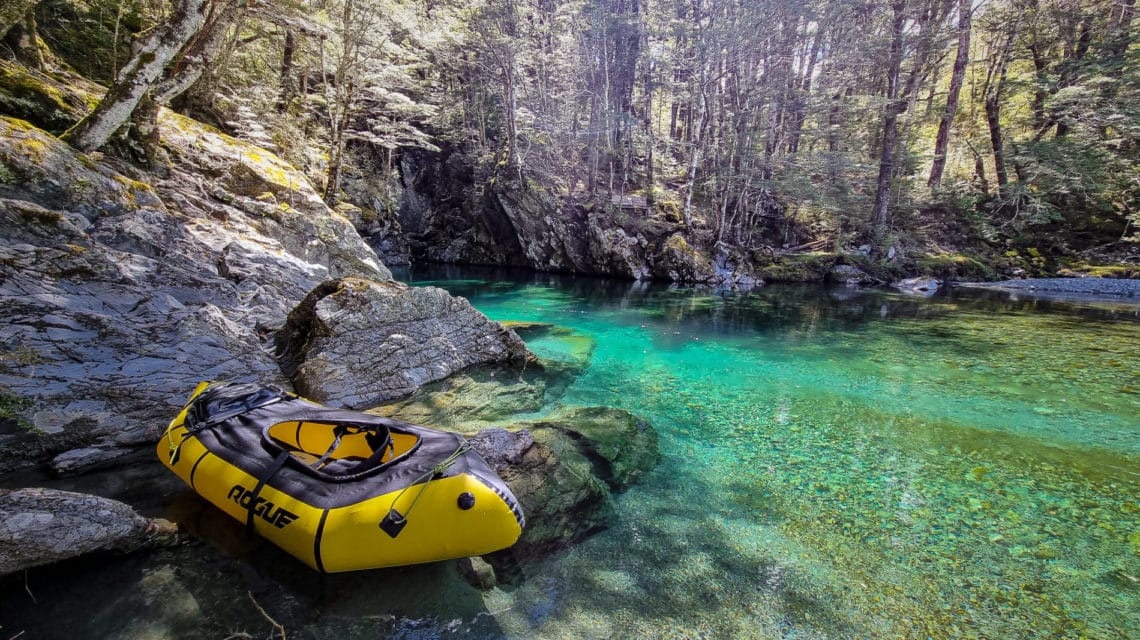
pixel 679 261
pixel 1080 269
pixel 620 446
pixel 669 210
pixel 955 268
pixel 799 267
pixel 528 329
pixel 34 97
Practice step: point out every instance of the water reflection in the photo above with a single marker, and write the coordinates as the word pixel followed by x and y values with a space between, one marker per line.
pixel 838 463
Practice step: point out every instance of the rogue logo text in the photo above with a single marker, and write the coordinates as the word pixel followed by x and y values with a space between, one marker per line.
pixel 262 508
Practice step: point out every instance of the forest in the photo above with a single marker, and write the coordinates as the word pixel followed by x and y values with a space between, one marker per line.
pixel 1001 130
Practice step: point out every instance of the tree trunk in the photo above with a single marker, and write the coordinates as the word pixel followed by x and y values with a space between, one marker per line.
pixel 957 77
pixel 880 212
pixel 804 92
pixel 994 88
pixel 649 177
pixel 138 77
pixel 1116 43
pixel 195 58
pixel 287 90
pixel 24 41
pixel 12 12
pixel 695 158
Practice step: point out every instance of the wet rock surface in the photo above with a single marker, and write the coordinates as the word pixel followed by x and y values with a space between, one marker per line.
pixel 40 526
pixel 917 285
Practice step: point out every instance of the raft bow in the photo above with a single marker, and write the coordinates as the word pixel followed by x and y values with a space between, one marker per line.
pixel 339 490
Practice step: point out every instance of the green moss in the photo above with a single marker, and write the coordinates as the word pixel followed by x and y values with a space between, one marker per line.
pixel 954 267
pixel 678 244
pixel 40 216
pixel 1082 268
pixel 800 267
pixel 33 98
pixel 13 407
pixel 670 210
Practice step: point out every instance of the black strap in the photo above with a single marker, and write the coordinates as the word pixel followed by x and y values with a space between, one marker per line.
pixel 339 432
pixel 278 462
pixel 378 436
pixel 232 413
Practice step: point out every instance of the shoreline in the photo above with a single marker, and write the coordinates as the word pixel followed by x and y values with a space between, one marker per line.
pixel 1089 289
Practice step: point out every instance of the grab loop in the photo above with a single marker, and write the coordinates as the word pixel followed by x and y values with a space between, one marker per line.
pixel 394 522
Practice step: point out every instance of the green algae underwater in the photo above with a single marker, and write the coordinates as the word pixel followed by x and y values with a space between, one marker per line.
pixel 847 464
pixel 836 463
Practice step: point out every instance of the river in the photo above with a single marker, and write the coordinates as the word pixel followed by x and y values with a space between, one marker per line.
pixel 837 463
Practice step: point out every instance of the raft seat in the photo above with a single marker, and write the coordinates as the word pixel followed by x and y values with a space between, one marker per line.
pixel 339 448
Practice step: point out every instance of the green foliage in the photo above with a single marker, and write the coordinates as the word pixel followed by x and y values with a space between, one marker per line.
pixel 13 408
pixel 94 36
pixel 764 125
pixel 955 268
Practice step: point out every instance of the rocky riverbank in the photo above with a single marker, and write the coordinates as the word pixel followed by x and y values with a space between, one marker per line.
pixel 124 288
pixel 1105 288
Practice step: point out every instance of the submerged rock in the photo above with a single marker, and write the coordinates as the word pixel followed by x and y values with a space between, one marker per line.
pixel 359 342
pixel 564 470
pixel 476 398
pixel 42 526
pixel 479 397
pixel 620 446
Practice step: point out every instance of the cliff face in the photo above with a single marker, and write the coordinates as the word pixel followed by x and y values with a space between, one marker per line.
pixel 446 218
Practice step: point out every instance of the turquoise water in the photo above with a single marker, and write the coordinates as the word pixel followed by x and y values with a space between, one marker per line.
pixel 849 464
pixel 836 464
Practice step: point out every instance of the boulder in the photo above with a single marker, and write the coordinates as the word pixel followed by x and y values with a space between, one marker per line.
pixel 619 445
pixel 42 526
pixel 563 500
pixel 359 343
pixel 849 275
pixel 485 396
pixel 564 470
pixel 677 261
pixel 480 397
pixel 920 286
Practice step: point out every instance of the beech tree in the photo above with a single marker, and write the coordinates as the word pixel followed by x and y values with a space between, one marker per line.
pixel 957 78
pixel 152 56
pixel 743 122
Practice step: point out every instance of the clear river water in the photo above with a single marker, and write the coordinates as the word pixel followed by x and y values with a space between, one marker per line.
pixel 836 463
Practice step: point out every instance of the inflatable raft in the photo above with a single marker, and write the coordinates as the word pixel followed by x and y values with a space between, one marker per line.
pixel 339 490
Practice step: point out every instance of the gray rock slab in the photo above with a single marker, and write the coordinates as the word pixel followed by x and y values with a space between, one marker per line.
pixel 42 526
pixel 359 343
